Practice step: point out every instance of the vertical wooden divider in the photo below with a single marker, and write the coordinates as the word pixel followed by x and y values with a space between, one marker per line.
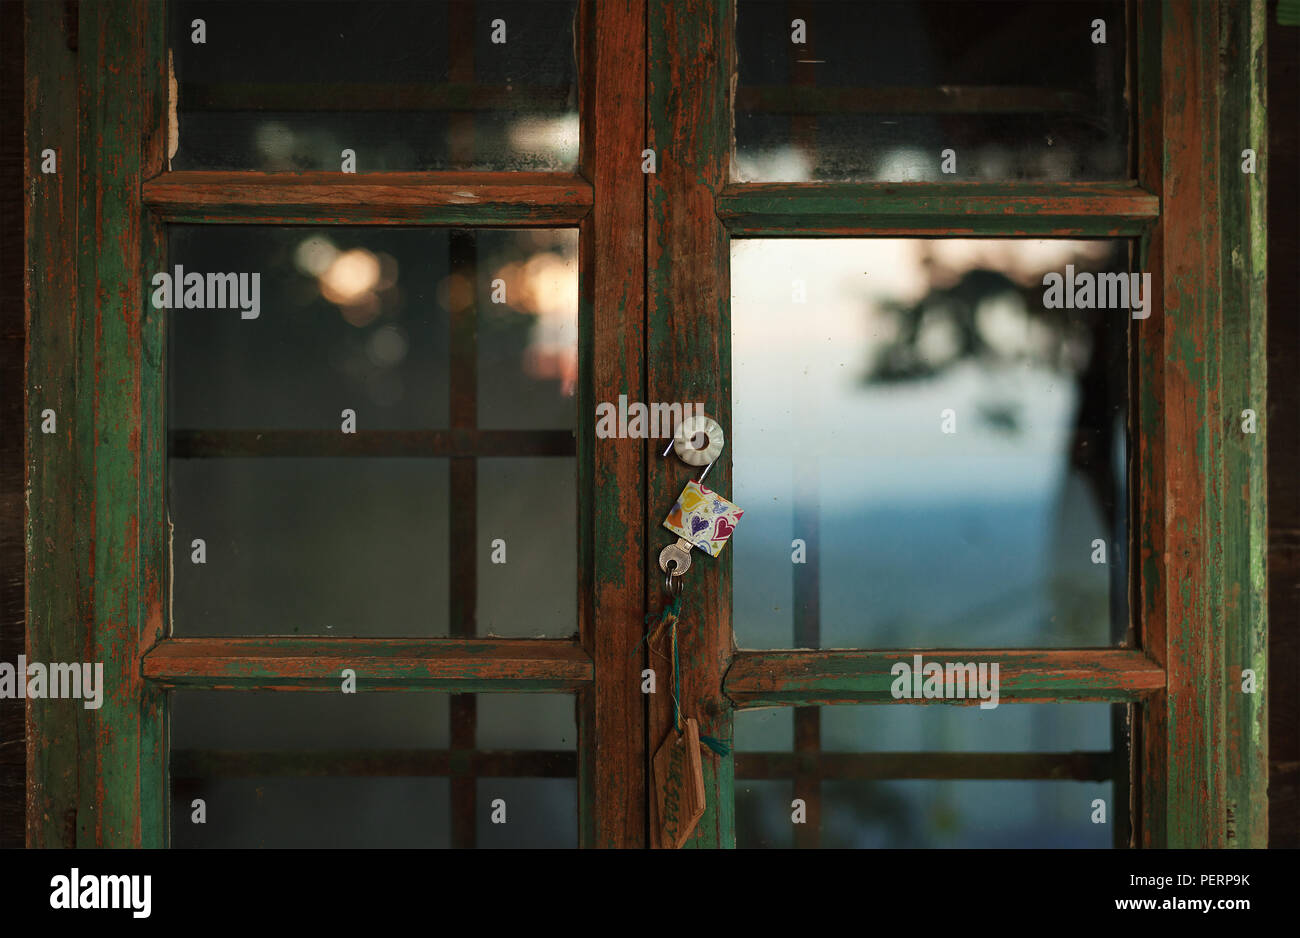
pixel 1243 125
pixel 1213 368
pixel 612 778
pixel 688 354
pixel 110 319
pixel 1150 798
pixel 58 619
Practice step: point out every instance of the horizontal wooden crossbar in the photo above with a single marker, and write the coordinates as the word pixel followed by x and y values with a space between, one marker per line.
pixel 967 99
pixel 383 763
pixel 298 663
pixel 854 766
pixel 210 444
pixel 810 677
pixel 820 209
pixel 367 97
pixel 321 198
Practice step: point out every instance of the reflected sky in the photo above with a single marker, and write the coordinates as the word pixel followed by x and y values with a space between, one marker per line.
pixel 923 537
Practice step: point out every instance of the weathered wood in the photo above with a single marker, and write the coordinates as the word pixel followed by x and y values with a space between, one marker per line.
pixel 110 312
pixel 13 415
pixel 825 209
pixel 1196 424
pixel 1243 257
pixel 456 442
pixel 1146 431
pixel 321 198
pixel 688 357
pixel 611 716
pixel 57 613
pixel 805 677
pixel 453 664
pixel 872 766
pixel 95 354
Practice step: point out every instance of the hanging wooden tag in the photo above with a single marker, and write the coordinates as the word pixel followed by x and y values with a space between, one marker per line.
pixel 679 787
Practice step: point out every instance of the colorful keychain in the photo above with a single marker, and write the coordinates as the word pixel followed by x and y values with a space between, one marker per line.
pixel 700 518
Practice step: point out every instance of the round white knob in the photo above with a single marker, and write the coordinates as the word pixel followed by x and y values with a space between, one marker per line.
pixel 684 443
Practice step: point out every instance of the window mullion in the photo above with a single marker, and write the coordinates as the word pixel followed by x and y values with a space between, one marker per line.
pixel 821 209
pixel 690 68
pixel 813 677
pixel 317 198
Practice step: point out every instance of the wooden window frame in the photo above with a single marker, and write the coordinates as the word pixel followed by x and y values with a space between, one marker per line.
pixel 654 324
pixel 1199 774
pixel 97 90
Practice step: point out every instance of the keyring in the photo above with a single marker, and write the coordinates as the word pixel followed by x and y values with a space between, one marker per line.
pixel 672 584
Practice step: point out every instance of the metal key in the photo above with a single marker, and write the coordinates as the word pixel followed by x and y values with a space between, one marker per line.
pixel 675 559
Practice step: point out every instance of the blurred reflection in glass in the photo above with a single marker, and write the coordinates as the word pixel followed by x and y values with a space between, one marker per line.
pixel 868 525
pixel 402 85
pixel 397 326
pixel 852 773
pixel 1016 89
pixel 314 770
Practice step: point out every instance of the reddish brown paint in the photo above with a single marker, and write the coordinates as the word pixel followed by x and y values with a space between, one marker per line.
pixel 529 199
pixel 519 664
pixel 688 277
pixel 764 678
pixel 835 209
pixel 1193 429
pixel 1150 762
pixel 612 717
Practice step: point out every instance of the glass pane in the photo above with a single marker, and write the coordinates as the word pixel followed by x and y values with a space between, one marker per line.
pixel 525 721
pixel 310 546
pixel 526 588
pixel 327 388
pixel 1023 775
pixel 877 91
pixel 532 806
pixel 927 455
pixel 405 86
pixel 346 318
pixel 371 770
pixel 527 329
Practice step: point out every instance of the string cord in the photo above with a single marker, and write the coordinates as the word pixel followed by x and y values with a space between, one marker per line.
pixel 669 619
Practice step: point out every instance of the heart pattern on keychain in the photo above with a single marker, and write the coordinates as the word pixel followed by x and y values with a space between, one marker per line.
pixel 704 518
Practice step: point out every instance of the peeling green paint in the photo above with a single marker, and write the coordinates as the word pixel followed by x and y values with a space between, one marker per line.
pixel 1244 523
